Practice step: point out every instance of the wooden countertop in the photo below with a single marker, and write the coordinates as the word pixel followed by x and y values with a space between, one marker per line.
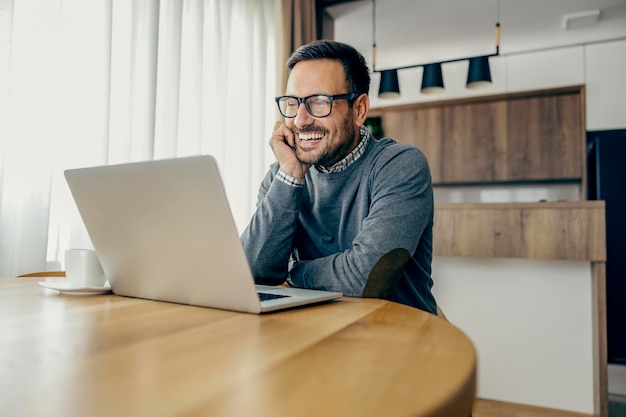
pixel 106 355
pixel 573 230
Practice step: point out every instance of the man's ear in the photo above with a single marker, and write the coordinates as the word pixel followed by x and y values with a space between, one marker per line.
pixel 361 107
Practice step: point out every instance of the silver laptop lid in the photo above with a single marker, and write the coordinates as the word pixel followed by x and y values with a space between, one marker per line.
pixel 164 231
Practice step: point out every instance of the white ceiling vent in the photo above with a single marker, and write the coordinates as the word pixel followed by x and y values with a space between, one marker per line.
pixel 581 20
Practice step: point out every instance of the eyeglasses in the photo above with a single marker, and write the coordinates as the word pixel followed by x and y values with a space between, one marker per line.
pixel 318 105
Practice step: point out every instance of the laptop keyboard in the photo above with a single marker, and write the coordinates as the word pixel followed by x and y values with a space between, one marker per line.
pixel 264 296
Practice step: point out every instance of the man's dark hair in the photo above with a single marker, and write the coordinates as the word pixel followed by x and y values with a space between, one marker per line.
pixel 354 64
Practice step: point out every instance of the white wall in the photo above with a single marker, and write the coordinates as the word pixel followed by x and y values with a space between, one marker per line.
pixel 505 193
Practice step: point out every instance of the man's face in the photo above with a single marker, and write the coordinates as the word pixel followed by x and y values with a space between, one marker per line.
pixel 322 141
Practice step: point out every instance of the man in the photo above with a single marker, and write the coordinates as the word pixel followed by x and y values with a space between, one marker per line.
pixel 340 210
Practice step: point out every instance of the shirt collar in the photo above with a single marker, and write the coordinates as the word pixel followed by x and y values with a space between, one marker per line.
pixel 352 156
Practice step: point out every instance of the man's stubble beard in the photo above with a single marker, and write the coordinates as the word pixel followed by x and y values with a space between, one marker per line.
pixel 330 157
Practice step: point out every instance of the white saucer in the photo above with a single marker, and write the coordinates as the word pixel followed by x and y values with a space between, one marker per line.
pixel 66 288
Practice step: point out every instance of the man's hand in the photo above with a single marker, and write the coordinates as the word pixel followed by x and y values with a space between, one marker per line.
pixel 283 145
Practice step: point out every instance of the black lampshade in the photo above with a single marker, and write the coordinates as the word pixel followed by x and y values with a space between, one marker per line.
pixel 479 74
pixel 432 79
pixel 389 87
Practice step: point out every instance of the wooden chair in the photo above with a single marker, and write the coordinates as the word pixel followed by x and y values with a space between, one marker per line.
pixel 43 274
pixel 440 313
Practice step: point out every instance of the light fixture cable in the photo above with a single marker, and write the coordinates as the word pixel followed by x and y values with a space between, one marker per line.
pixel 374 35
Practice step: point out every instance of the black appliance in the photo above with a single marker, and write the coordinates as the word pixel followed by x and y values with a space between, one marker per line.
pixel 606 169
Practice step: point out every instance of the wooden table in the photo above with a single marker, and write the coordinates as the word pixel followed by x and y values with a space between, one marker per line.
pixel 105 355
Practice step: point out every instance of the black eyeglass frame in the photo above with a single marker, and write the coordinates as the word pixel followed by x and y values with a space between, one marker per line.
pixel 303 100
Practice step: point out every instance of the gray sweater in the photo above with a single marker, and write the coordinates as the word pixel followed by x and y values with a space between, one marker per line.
pixel 365 231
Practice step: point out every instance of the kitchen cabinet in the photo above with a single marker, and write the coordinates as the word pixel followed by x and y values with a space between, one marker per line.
pixel 545 138
pixel 474 142
pixel 605 85
pixel 533 276
pixel 573 230
pixel 522 137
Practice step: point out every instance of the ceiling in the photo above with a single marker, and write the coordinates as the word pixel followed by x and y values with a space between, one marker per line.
pixel 410 32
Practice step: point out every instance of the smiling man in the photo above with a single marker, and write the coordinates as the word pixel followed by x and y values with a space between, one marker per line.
pixel 341 210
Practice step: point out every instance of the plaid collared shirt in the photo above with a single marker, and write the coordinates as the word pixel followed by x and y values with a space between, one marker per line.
pixel 288 179
pixel 351 157
pixel 338 167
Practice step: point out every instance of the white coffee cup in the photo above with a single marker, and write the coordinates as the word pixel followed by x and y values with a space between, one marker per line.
pixel 83 269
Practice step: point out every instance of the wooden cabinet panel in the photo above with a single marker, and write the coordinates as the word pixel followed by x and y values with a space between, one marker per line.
pixel 534 136
pixel 474 142
pixel 558 230
pixel 544 138
pixel 420 127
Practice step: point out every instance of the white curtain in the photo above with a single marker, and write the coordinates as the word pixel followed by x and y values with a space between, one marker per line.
pixel 99 82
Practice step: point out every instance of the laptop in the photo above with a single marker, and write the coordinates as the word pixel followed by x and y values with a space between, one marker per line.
pixel 163 230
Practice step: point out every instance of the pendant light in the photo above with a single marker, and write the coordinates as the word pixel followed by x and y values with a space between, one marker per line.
pixel 389 86
pixel 479 74
pixel 432 79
